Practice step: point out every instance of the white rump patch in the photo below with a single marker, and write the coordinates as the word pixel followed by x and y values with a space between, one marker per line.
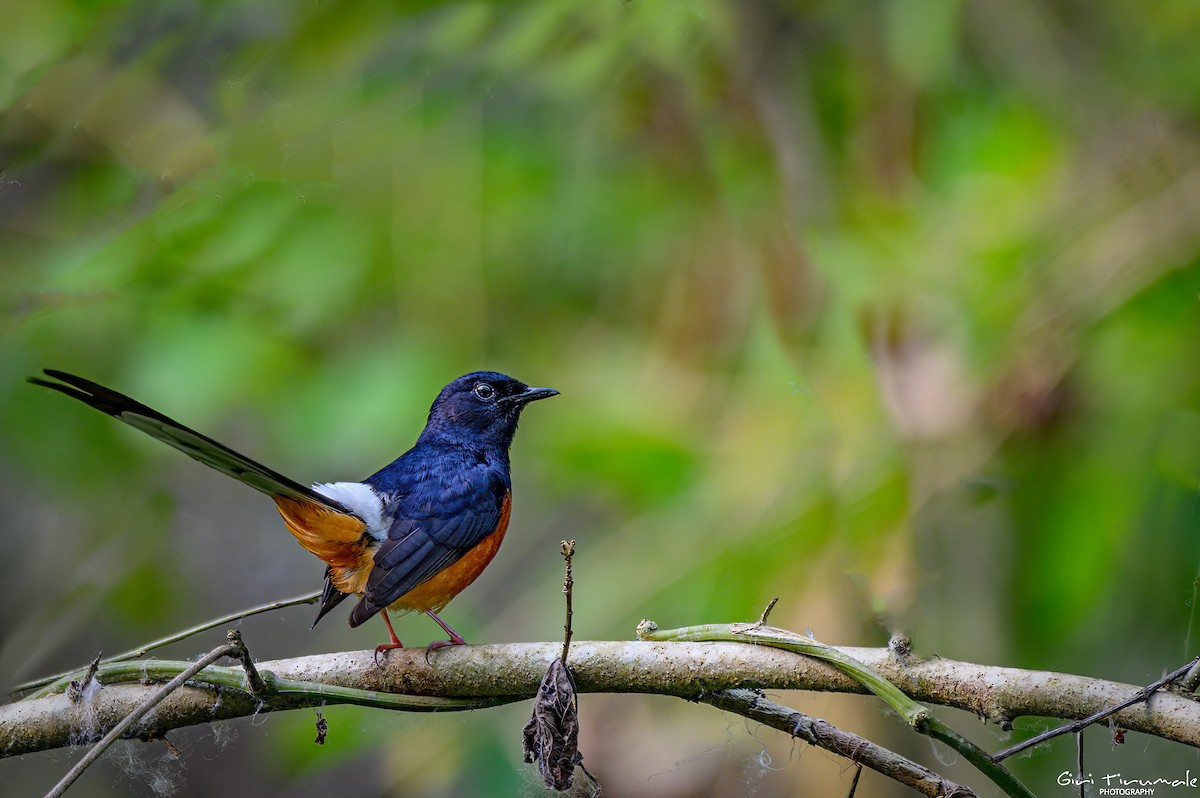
pixel 359 498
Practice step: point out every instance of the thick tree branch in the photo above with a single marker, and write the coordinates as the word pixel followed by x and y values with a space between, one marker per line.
pixel 477 676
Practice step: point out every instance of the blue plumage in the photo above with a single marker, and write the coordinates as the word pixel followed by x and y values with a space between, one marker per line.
pixel 410 536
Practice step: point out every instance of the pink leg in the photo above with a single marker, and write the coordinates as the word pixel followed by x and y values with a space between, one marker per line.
pixel 382 647
pixel 455 637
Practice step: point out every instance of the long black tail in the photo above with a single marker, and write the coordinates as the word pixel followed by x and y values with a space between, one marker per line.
pixel 192 443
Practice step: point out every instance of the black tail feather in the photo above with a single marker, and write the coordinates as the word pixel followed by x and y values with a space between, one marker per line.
pixel 198 447
pixel 330 598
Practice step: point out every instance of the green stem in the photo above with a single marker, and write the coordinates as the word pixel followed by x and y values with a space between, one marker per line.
pixel 982 761
pixel 917 716
pixel 145 648
pixel 216 676
pixel 912 712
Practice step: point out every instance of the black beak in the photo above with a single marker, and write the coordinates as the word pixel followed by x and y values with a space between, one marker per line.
pixel 533 394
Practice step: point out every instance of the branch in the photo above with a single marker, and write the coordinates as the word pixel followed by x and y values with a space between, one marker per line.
pixel 568 551
pixel 1080 725
pixel 146 648
pixel 815 731
pixel 469 677
pixel 917 716
pixel 132 718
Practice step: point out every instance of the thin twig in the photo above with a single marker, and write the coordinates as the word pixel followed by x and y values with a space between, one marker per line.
pixel 917 716
pixel 762 619
pixel 854 782
pixel 137 714
pixel 1079 725
pixel 752 704
pixel 76 688
pixel 568 551
pixel 258 687
pixel 145 648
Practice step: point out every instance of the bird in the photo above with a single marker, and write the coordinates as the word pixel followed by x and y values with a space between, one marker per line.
pixel 409 537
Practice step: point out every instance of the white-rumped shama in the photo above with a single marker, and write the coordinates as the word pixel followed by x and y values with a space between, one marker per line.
pixel 409 537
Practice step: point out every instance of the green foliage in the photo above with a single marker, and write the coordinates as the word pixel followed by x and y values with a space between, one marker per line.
pixel 889 310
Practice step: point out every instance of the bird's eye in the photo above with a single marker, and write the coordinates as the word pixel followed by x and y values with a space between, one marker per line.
pixel 485 392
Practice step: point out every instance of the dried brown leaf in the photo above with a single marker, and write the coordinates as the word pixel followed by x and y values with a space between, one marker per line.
pixel 551 738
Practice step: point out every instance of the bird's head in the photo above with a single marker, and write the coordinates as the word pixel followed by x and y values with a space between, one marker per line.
pixel 483 407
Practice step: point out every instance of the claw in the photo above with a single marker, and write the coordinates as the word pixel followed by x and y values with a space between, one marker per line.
pixel 382 647
pixel 455 638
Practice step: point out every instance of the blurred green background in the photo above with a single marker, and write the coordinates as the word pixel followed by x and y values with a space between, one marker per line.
pixel 888 309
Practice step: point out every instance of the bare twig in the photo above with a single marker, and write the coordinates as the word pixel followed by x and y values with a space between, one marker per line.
pixel 762 619
pixel 568 551
pixel 1079 725
pixel 76 688
pixel 917 716
pixel 753 705
pixel 133 717
pixel 854 782
pixel 146 648
pixel 258 687
pixel 551 737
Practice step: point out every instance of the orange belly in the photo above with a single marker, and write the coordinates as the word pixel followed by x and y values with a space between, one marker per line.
pixel 338 540
pixel 436 592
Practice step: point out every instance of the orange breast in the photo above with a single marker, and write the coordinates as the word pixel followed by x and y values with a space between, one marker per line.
pixel 436 592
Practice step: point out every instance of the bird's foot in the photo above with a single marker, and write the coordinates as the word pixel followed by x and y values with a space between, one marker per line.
pixel 385 647
pixel 455 640
pixel 395 642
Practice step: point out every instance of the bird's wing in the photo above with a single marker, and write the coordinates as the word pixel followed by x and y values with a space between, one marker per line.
pixel 417 550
